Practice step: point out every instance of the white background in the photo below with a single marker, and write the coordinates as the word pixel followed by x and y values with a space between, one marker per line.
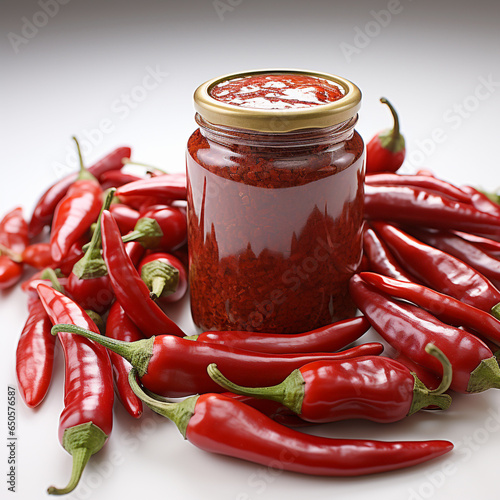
pixel 84 69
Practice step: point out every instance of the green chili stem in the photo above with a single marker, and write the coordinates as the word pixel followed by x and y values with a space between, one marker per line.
pixel 137 353
pixel 50 274
pixel 92 265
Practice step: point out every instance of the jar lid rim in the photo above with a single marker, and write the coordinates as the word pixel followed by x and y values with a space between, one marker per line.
pixel 277 120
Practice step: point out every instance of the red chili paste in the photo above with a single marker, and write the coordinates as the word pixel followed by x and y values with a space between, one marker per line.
pixel 277 91
pixel 274 229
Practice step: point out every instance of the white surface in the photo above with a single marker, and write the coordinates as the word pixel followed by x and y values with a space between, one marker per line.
pixel 73 76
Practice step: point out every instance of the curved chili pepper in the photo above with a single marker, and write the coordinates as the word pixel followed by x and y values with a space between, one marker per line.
pixel 14 231
pixel 165 276
pixel 37 256
pixel 465 251
pixel 420 207
pixel 226 426
pixel 370 387
pixel 87 418
pixel 75 212
pixel 446 308
pixel 10 272
pixel 126 217
pixel 386 151
pixel 439 270
pixel 162 188
pixel 117 178
pixel 491 247
pixel 329 338
pixel 46 205
pixel 481 201
pixel 35 355
pixel 88 283
pixel 419 181
pixel 119 327
pixel 409 329
pixel 175 367
pixel 130 291
pixel 380 257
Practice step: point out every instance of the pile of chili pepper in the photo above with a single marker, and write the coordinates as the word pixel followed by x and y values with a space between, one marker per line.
pixel 109 249
pixel 88 275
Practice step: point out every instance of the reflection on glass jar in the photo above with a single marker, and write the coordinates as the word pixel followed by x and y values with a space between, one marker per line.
pixel 274 222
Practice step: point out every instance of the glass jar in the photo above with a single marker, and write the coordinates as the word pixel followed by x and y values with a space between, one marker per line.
pixel 275 203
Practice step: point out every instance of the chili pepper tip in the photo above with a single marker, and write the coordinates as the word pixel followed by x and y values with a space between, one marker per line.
pixel 81 441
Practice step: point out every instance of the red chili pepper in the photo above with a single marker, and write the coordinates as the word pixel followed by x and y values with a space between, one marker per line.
pixel 465 251
pixel 439 270
pixel 46 206
pixel 419 181
pixel 14 231
pixel 119 327
pixel 130 291
pixel 74 254
pixel 35 355
pixel 162 188
pixel 88 283
pixel 38 256
pixel 126 217
pixel 10 272
pixel 419 207
pixel 75 213
pixel 380 257
pixel 386 151
pixel 370 387
pixel 135 251
pixel 165 276
pixel 491 247
pixel 87 418
pixel 481 201
pixel 428 378
pixel 175 367
pixel 117 178
pixel 160 228
pixel 226 426
pixel 276 411
pixel 446 308
pixel 328 338
pixel 409 329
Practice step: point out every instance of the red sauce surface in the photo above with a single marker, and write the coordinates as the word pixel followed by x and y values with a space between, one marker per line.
pixel 274 232
pixel 277 91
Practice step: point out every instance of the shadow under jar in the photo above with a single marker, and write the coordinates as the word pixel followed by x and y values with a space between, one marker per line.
pixel 275 201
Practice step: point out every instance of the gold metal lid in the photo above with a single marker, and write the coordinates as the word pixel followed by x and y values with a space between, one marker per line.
pixel 278 120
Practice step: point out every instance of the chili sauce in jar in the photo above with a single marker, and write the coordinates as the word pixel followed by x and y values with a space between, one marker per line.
pixel 275 201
